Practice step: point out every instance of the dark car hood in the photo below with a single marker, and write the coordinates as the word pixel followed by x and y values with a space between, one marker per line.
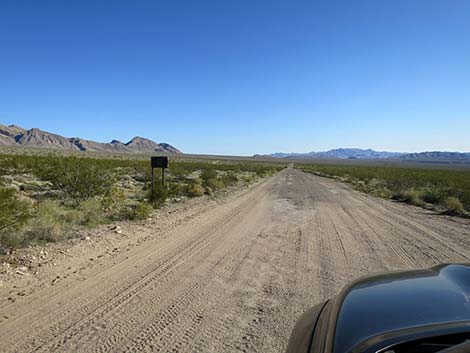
pixel 389 302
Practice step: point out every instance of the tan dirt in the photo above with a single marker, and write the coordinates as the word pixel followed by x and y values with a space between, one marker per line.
pixel 229 277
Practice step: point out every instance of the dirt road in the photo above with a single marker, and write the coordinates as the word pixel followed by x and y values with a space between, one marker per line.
pixel 233 279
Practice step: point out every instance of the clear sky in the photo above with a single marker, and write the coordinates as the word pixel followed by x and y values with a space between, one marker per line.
pixel 241 76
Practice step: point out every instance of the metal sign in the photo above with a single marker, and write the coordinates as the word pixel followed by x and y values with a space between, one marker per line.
pixel 159 162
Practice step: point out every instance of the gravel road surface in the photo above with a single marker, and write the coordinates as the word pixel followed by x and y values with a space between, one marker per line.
pixel 233 278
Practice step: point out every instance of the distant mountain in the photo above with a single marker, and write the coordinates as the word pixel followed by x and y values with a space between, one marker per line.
pixel 13 135
pixel 437 156
pixel 6 140
pixel 341 153
pixel 356 153
pixel 140 144
pixel 42 139
pixel 11 131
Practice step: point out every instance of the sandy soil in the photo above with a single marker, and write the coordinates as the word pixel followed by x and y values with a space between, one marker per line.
pixel 227 276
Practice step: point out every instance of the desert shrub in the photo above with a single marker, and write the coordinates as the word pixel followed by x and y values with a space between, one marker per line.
pixel 178 172
pixel 210 181
pixel 77 178
pixel 454 206
pixel 414 196
pixel 207 175
pixel 247 180
pixel 176 189
pixel 229 179
pixel 411 195
pixel 140 211
pixel 51 223
pixel 213 185
pixel 433 194
pixel 194 189
pixel 14 214
pixel 158 196
pixel 92 213
pixel 383 192
pixel 113 202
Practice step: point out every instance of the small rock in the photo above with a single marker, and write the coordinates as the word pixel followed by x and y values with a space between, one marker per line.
pixel 117 229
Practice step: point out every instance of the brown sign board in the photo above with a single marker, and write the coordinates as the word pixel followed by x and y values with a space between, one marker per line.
pixel 159 162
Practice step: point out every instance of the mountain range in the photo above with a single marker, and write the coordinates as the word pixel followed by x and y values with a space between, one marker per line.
pixel 13 135
pixel 357 153
pixel 342 153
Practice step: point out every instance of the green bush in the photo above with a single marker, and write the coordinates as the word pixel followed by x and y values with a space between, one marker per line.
pixel 141 211
pixel 77 178
pixel 210 181
pixel 51 223
pixel 92 213
pixel 176 189
pixel 247 180
pixel 382 192
pixel 113 202
pixel 14 214
pixel 194 189
pixel 413 196
pixel 433 194
pixel 409 196
pixel 158 196
pixel 454 206
pixel 230 179
pixel 214 185
pixel 207 175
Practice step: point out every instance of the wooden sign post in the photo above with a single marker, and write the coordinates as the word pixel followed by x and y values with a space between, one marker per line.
pixel 158 162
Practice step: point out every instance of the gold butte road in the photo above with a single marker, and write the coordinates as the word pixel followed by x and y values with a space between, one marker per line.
pixel 233 279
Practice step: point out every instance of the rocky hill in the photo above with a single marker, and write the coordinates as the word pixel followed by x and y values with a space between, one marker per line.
pixel 13 135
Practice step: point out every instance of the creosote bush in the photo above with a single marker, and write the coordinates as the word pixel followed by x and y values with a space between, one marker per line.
pixel 454 206
pixel 229 179
pixel 77 178
pixel 158 196
pixel 194 189
pixel 50 223
pixel 433 194
pixel 211 181
pixel 141 211
pixel 113 203
pixel 14 214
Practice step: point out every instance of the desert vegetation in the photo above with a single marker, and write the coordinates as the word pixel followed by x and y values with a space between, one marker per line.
pixel 444 190
pixel 46 198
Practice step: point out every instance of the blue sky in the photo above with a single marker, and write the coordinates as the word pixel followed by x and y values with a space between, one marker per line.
pixel 241 77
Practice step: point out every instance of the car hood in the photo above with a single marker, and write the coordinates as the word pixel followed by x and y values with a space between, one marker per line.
pixel 380 304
